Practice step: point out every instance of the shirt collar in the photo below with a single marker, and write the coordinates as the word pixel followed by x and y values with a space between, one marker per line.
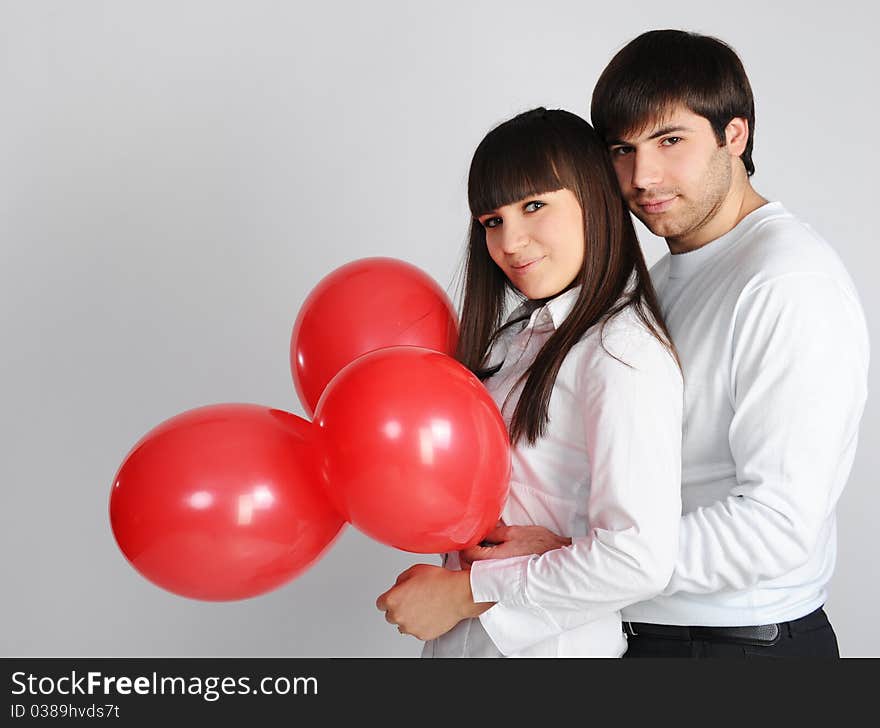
pixel 684 265
pixel 550 314
pixel 561 305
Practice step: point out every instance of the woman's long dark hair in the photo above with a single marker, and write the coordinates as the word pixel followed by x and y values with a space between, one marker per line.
pixel 536 152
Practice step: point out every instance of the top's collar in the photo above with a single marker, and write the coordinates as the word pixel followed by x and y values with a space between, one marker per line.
pixel 550 314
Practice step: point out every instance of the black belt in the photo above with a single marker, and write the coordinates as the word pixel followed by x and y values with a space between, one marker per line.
pixel 760 634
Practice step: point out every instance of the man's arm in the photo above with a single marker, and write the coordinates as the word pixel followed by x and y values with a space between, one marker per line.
pixel 798 388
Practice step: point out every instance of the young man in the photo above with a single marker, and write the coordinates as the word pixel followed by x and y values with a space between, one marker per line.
pixel 774 351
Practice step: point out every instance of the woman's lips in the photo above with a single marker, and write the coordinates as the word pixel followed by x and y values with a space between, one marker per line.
pixel 527 266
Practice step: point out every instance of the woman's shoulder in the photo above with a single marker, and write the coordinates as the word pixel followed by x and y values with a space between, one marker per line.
pixel 625 340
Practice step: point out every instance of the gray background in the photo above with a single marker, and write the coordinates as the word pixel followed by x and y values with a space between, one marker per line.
pixel 176 176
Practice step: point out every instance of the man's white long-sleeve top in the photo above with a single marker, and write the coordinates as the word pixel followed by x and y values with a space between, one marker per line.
pixel 774 350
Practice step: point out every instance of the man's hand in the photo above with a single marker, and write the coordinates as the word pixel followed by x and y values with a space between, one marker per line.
pixel 427 601
pixel 506 541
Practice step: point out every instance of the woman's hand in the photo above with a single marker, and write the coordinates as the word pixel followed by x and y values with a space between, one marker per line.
pixel 506 541
pixel 427 601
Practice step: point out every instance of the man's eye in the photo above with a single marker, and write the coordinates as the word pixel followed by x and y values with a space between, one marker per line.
pixel 669 141
pixel 620 151
pixel 491 222
pixel 534 205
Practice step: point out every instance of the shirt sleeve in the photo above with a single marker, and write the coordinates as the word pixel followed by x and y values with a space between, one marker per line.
pixel 798 385
pixel 632 413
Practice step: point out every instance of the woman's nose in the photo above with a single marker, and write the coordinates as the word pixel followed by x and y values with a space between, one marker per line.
pixel 513 237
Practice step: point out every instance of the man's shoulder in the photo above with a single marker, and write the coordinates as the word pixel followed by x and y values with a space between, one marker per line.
pixel 782 245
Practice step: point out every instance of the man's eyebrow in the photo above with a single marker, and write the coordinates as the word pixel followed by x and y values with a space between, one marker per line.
pixel 663 131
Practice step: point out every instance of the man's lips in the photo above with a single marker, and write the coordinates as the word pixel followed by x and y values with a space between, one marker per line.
pixel 656 205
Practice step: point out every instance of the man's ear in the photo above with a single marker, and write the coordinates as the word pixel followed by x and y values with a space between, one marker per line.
pixel 737 134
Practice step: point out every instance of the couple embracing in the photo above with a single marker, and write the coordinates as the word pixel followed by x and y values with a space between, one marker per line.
pixel 680 437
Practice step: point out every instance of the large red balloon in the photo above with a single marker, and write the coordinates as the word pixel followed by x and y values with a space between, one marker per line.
pixel 366 305
pixel 416 452
pixel 223 502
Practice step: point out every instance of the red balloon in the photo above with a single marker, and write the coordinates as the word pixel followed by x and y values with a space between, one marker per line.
pixel 223 502
pixel 416 453
pixel 366 305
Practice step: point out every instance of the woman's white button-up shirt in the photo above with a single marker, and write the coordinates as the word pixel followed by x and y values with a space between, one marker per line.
pixel 606 473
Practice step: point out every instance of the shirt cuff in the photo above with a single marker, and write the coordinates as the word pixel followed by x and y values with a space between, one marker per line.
pixel 500 580
pixel 514 629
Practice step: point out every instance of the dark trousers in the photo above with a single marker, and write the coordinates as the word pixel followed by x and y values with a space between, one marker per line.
pixel 810 636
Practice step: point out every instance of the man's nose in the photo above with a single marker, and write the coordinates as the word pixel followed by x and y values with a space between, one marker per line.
pixel 647 171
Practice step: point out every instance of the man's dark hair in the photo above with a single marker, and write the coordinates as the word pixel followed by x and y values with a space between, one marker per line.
pixel 662 68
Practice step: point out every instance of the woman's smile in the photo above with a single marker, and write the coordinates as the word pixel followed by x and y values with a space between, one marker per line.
pixel 527 266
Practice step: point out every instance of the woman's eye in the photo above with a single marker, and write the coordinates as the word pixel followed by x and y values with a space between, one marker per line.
pixel 534 205
pixel 669 141
pixel 491 222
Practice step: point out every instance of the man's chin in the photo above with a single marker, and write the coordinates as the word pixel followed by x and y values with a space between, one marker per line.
pixel 657 227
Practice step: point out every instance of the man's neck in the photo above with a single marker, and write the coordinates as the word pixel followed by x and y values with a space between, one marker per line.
pixel 741 201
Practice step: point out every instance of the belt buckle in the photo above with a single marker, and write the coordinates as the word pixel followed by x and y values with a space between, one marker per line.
pixel 730 635
pixel 770 641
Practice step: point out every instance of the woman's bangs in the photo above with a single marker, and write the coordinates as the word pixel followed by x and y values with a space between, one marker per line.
pixel 507 168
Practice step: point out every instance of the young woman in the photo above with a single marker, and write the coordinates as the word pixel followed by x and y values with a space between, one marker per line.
pixel 588 382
